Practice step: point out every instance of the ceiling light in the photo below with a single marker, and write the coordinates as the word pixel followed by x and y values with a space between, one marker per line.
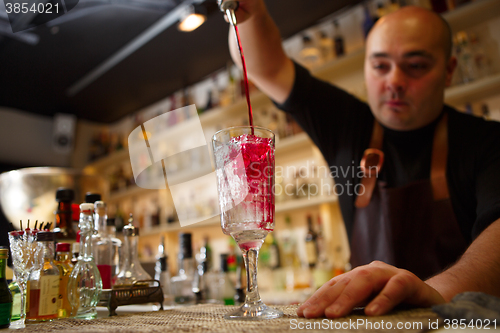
pixel 192 18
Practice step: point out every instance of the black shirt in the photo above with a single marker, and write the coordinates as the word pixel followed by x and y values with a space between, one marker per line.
pixel 341 125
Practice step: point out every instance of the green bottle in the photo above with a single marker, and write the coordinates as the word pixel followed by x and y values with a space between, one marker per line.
pixel 16 301
pixel 5 295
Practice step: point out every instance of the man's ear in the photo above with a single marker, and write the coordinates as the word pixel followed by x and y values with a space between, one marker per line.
pixel 450 68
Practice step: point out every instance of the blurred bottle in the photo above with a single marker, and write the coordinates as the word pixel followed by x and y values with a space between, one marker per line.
pixel 338 39
pixel 368 20
pixel 311 244
pixel 5 294
pixel 43 281
pixel 485 111
pixel 117 248
pixel 102 246
pixel 309 56
pixel 75 216
pixel 85 284
pixel 466 58
pixel 63 214
pixel 206 254
pixel 274 252
pixel 182 283
pixel 131 270
pixel 481 61
pixel 161 272
pixel 16 301
pixel 381 10
pixel 63 262
pixel 226 285
pixel 91 197
pixel 393 6
pixel 289 254
pixel 326 47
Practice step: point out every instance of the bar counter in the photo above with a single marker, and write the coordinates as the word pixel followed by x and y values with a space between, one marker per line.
pixel 209 318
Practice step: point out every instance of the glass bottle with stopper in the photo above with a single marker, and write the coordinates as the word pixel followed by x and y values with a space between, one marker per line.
pixel 85 284
pixel 131 270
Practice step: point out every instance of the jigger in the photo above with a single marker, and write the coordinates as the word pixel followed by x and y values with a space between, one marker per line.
pixel 228 7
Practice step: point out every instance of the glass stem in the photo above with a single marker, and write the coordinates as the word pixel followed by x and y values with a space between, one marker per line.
pixel 251 257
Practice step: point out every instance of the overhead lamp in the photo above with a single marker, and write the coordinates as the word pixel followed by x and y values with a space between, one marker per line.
pixel 193 17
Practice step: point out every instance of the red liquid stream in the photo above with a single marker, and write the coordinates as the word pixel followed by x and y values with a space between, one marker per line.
pixel 245 77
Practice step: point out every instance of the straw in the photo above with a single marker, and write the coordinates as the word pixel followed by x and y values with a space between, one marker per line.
pixel 21 222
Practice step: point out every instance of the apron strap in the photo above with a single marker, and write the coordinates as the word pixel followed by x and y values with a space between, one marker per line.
pixel 373 159
pixel 439 161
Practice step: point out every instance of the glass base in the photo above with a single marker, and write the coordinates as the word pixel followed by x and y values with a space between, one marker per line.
pixel 17 324
pixel 258 311
pixel 86 314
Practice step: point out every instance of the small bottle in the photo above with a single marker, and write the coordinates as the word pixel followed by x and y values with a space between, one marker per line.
pixel 326 47
pixel 85 284
pixel 91 197
pixel 226 285
pixel 368 20
pixel 309 56
pixel 131 270
pixel 63 262
pixel 5 294
pixel 338 39
pixel 64 220
pixel 182 283
pixel 75 249
pixel 311 244
pixel 43 284
pixel 206 254
pixel 102 246
pixel 274 253
pixel 117 248
pixel 161 272
pixel 16 301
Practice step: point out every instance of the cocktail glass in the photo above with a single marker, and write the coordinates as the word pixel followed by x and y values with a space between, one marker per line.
pixel 244 160
pixel 24 249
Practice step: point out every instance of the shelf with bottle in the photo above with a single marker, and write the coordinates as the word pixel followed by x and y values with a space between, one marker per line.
pixel 283 207
pixel 473 91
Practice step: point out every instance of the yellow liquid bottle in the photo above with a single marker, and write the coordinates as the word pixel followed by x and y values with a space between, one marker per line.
pixel 63 262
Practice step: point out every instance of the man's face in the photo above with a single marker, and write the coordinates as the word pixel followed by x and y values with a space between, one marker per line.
pixel 406 71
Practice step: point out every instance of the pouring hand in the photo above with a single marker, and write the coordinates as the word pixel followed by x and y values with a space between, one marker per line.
pixel 378 285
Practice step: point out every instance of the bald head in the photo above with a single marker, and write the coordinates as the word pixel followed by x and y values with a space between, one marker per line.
pixel 417 19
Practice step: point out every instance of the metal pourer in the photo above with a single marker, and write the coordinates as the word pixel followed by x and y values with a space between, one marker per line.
pixel 228 7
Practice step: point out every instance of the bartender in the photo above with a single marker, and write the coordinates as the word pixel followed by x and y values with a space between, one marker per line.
pixel 424 222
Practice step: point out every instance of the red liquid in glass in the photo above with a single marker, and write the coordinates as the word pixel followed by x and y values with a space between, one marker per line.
pixel 105 271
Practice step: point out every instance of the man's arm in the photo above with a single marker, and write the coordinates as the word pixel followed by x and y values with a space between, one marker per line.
pixel 267 64
pixel 477 270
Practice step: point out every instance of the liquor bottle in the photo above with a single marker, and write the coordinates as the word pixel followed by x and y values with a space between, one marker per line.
pixel 85 284
pixel 117 248
pixel 5 295
pixel 102 246
pixel 182 283
pixel 16 301
pixel 381 10
pixel 75 249
pixel 64 220
pixel 206 253
pixel 274 252
pixel 43 284
pixel 393 6
pixel 63 262
pixel 91 197
pixel 161 271
pixel 309 56
pixel 226 286
pixel 311 244
pixel 368 21
pixel 131 270
pixel 75 217
pixel 338 39
pixel 326 47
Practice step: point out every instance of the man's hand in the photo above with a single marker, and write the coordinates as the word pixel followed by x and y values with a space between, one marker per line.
pixel 378 285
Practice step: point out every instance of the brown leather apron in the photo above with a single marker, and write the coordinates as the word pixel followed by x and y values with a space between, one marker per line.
pixel 411 227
